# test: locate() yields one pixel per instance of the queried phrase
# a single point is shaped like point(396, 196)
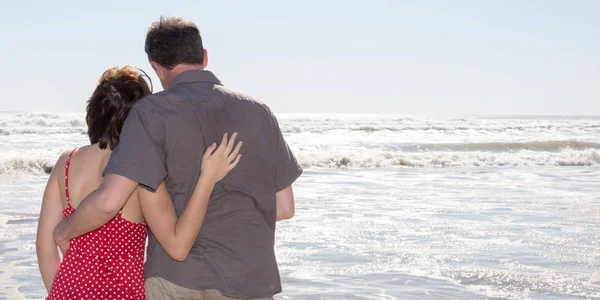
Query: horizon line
point(367, 114)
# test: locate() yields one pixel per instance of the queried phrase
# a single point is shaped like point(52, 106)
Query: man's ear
point(205, 61)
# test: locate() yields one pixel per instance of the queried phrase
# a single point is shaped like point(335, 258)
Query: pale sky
point(399, 57)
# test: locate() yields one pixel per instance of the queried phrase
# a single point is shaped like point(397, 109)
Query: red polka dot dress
point(106, 263)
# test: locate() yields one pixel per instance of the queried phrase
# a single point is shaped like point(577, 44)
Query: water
point(389, 207)
point(445, 234)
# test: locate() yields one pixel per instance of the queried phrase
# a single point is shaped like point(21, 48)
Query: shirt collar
point(196, 76)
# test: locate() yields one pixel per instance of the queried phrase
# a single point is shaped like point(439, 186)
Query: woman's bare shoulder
point(61, 161)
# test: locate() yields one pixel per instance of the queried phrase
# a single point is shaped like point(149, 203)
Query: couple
point(155, 164)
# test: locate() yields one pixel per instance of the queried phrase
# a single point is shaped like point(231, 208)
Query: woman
point(108, 263)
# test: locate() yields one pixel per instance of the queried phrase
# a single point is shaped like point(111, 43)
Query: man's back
point(234, 251)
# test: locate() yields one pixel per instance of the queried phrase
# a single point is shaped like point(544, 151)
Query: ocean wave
point(522, 158)
point(352, 141)
point(436, 128)
point(33, 123)
point(376, 159)
point(56, 123)
point(26, 166)
point(43, 130)
point(551, 146)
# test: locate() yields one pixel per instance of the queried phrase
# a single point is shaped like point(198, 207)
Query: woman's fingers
point(209, 151)
point(235, 152)
point(223, 145)
point(230, 144)
point(235, 162)
point(226, 148)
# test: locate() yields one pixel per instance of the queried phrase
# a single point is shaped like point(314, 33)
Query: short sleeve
point(287, 169)
point(140, 155)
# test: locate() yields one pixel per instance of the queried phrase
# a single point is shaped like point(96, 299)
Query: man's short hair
point(171, 41)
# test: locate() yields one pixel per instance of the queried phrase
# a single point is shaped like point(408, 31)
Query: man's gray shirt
point(164, 138)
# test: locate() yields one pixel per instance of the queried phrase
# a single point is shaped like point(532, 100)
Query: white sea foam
point(31, 141)
point(522, 158)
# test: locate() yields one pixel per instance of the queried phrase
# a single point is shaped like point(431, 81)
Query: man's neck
point(178, 69)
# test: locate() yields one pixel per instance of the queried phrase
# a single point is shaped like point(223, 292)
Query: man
point(163, 138)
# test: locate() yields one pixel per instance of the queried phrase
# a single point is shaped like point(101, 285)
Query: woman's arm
point(177, 236)
point(50, 215)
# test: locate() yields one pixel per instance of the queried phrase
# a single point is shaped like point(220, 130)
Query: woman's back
point(106, 263)
point(87, 165)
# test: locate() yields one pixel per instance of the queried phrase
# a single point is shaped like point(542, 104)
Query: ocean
point(389, 206)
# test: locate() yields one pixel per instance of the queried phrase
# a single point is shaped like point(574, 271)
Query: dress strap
point(67, 178)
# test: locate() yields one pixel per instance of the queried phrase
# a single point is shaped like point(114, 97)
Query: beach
point(389, 206)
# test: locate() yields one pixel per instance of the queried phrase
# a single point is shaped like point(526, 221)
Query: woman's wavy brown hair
point(119, 88)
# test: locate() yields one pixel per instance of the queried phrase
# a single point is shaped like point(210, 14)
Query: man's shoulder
point(242, 100)
point(152, 101)
point(153, 105)
point(160, 103)
point(234, 94)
